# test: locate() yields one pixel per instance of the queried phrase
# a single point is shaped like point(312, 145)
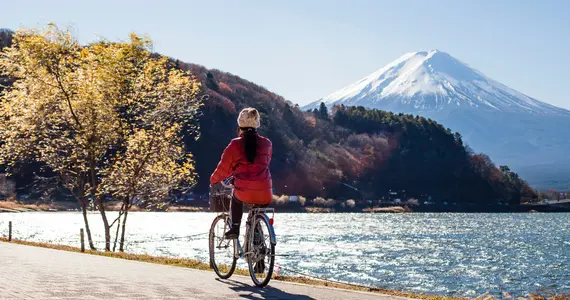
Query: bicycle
point(259, 243)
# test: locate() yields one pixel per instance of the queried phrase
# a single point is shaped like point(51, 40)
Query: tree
point(288, 115)
point(7, 187)
point(516, 187)
point(315, 112)
point(211, 82)
point(458, 138)
point(323, 111)
point(105, 118)
point(5, 37)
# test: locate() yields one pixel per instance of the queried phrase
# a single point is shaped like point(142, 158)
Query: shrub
point(302, 200)
point(283, 200)
point(319, 201)
point(413, 202)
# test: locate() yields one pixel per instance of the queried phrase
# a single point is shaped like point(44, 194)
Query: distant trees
point(555, 195)
point(430, 158)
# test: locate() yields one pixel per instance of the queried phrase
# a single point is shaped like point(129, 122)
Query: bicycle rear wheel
point(261, 251)
point(222, 251)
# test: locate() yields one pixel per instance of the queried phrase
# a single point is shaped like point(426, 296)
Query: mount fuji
point(509, 126)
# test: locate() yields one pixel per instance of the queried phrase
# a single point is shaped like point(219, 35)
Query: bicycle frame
point(239, 251)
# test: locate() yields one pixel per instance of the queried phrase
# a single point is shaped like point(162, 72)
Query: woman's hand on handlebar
point(228, 182)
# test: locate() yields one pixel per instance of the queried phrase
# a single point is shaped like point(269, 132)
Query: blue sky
point(304, 50)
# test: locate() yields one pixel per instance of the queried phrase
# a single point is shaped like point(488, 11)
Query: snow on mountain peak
point(434, 81)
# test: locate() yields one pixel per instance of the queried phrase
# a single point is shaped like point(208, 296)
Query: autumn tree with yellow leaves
point(105, 117)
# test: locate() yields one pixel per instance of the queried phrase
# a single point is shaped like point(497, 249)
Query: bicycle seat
point(255, 206)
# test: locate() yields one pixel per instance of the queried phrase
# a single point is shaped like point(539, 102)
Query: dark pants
point(236, 210)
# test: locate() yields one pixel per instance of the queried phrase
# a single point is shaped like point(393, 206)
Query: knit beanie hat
point(249, 117)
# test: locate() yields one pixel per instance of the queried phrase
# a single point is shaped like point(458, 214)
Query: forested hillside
point(328, 154)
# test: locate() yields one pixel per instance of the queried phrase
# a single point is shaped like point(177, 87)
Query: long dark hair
point(249, 142)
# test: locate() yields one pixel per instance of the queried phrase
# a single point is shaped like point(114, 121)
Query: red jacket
point(252, 181)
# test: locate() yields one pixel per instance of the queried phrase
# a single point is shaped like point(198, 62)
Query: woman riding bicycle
point(247, 159)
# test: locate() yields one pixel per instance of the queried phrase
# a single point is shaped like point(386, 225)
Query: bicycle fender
point(271, 230)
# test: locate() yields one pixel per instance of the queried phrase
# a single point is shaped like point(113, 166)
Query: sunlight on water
point(448, 254)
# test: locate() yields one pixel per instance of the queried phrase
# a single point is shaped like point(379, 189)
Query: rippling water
point(446, 254)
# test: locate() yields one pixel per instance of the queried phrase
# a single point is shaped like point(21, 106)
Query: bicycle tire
point(271, 254)
point(211, 241)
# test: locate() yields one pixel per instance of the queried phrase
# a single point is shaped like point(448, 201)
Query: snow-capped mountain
point(434, 81)
point(511, 127)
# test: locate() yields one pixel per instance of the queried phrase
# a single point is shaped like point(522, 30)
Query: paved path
point(38, 273)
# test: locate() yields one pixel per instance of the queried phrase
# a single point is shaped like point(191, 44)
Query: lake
point(455, 254)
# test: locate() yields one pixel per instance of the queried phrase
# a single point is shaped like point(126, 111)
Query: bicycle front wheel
point(222, 251)
point(261, 256)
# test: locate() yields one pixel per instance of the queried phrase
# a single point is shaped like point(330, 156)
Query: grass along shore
point(15, 207)
point(12, 206)
point(195, 264)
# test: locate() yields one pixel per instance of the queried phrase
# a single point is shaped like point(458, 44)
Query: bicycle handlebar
point(228, 182)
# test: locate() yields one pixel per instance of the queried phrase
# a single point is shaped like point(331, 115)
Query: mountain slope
point(511, 127)
point(434, 81)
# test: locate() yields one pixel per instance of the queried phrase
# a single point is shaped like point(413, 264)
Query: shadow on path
point(256, 293)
